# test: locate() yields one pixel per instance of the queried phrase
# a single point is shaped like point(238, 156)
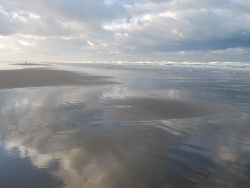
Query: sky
point(131, 30)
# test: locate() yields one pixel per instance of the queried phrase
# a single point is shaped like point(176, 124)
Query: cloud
point(126, 29)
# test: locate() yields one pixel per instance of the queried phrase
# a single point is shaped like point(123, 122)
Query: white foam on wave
point(213, 65)
point(161, 62)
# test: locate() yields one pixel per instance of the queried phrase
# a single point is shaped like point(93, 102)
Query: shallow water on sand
point(157, 126)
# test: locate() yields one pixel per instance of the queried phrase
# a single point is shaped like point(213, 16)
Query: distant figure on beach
point(25, 62)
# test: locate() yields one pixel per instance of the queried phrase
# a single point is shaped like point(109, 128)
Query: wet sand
point(144, 108)
point(35, 77)
point(31, 64)
point(144, 131)
point(128, 109)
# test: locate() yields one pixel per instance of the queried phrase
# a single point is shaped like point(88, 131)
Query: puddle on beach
point(111, 136)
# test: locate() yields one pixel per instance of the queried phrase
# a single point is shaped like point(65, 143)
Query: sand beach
point(92, 125)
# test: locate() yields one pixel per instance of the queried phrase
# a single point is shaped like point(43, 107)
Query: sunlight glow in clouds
point(81, 30)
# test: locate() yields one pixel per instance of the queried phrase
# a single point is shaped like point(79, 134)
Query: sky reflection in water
point(52, 137)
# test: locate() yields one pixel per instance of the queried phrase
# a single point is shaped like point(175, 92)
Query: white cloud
point(25, 43)
point(238, 51)
point(91, 44)
point(2, 46)
point(133, 29)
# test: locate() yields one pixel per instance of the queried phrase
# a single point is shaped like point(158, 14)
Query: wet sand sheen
point(103, 137)
point(128, 109)
point(143, 109)
point(46, 77)
point(31, 64)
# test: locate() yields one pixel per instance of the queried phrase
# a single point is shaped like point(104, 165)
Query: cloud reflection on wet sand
point(85, 137)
